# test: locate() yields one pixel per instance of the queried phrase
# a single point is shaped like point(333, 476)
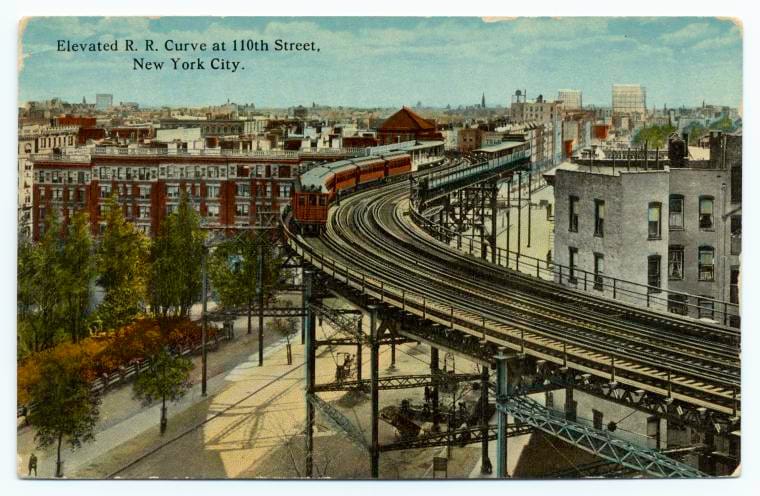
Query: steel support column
point(359, 351)
point(310, 339)
point(485, 462)
point(374, 451)
point(502, 392)
point(494, 218)
point(519, 213)
point(434, 389)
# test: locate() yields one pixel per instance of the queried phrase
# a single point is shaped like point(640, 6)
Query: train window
point(312, 200)
point(302, 200)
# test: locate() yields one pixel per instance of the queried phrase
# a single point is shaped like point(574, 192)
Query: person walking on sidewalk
point(33, 464)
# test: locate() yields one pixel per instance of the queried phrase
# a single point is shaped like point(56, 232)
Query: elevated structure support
point(502, 393)
point(374, 459)
point(310, 338)
point(485, 462)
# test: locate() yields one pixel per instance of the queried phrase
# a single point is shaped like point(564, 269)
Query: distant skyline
point(389, 62)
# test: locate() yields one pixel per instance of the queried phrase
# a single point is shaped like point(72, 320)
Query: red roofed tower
point(405, 125)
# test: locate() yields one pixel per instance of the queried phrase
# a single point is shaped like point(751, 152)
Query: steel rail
point(551, 347)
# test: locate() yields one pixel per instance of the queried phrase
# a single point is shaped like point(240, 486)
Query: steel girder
point(467, 435)
point(396, 382)
point(598, 442)
point(550, 376)
point(339, 421)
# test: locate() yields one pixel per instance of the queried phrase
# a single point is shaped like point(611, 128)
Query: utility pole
point(260, 294)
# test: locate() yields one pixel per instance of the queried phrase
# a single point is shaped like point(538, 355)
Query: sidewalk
point(123, 417)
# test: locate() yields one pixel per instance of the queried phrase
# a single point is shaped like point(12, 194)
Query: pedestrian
point(33, 464)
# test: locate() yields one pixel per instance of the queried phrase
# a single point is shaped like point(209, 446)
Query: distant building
point(629, 99)
point(406, 125)
point(571, 99)
point(538, 111)
point(469, 139)
point(103, 101)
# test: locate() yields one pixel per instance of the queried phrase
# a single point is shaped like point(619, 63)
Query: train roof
point(506, 145)
point(315, 178)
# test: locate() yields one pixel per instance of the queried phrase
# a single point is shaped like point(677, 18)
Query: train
point(320, 186)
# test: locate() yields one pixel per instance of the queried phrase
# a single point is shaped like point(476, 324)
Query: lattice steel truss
point(598, 442)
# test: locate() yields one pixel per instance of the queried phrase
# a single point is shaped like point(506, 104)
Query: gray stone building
point(668, 238)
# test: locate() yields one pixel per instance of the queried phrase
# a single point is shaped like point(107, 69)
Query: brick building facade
point(229, 192)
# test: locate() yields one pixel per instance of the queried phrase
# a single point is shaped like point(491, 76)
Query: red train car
point(318, 187)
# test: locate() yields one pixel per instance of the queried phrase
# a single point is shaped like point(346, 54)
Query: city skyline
point(382, 62)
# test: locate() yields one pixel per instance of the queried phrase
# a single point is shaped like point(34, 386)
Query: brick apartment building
point(229, 190)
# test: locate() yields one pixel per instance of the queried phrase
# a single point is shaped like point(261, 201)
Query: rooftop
point(506, 145)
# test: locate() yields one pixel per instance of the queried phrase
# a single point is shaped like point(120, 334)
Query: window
point(598, 419)
point(706, 263)
point(734, 288)
point(677, 304)
point(706, 307)
point(212, 211)
point(241, 209)
point(598, 217)
point(172, 191)
point(655, 213)
point(572, 261)
point(675, 262)
point(653, 273)
point(244, 190)
point(736, 184)
point(598, 271)
point(573, 214)
point(144, 192)
point(736, 235)
point(212, 191)
point(676, 212)
point(105, 191)
point(144, 211)
point(706, 212)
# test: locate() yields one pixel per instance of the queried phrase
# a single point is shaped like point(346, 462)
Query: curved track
point(371, 234)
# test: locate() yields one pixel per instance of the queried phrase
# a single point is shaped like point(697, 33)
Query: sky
point(390, 61)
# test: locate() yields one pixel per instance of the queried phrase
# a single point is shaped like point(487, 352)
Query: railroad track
point(370, 233)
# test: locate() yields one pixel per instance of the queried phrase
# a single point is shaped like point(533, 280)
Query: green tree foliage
point(39, 289)
point(696, 131)
point(723, 124)
point(167, 379)
point(77, 272)
point(175, 257)
point(64, 405)
point(122, 269)
point(654, 136)
point(234, 271)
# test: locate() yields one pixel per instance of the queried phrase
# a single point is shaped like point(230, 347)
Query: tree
point(64, 404)
point(286, 327)
point(655, 137)
point(175, 257)
point(77, 271)
point(121, 264)
point(234, 271)
point(167, 378)
point(39, 288)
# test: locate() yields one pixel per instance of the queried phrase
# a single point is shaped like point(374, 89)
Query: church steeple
point(483, 101)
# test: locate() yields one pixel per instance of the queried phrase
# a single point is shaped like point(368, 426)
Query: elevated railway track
point(370, 245)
